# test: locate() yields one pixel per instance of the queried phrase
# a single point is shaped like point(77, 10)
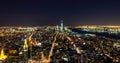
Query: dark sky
point(50, 12)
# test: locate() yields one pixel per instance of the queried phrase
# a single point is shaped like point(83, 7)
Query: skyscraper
point(61, 28)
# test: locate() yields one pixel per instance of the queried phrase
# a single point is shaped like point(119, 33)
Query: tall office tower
point(57, 27)
point(61, 28)
point(2, 55)
point(25, 46)
point(25, 51)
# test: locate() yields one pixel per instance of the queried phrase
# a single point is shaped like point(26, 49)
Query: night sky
point(50, 12)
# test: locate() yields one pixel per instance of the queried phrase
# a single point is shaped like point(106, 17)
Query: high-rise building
point(25, 46)
point(57, 27)
point(2, 55)
point(61, 28)
point(25, 51)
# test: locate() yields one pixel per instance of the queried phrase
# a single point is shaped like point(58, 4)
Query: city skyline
point(73, 12)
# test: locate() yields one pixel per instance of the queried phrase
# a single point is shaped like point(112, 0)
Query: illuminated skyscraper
point(25, 46)
point(2, 55)
point(25, 51)
point(57, 28)
point(61, 28)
